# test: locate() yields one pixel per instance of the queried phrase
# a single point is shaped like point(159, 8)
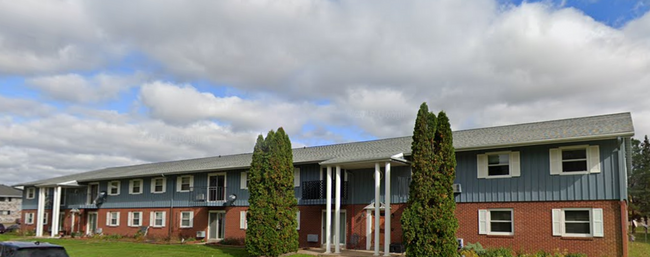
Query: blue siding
point(535, 182)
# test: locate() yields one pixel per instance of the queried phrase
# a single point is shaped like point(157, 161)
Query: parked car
point(29, 249)
point(12, 228)
point(2, 229)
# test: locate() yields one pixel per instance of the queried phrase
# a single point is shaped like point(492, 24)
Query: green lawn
point(639, 248)
point(106, 248)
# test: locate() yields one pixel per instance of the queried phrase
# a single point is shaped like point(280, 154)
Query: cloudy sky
point(92, 84)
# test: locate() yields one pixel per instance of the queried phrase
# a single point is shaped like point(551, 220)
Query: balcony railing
point(209, 194)
point(313, 190)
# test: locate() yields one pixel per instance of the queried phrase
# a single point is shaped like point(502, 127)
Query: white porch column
point(387, 212)
point(56, 209)
point(377, 205)
point(368, 229)
point(337, 212)
point(72, 222)
point(328, 210)
point(40, 211)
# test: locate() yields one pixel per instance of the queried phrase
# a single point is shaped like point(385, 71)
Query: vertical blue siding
point(536, 183)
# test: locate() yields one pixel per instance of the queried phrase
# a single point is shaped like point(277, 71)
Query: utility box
point(312, 238)
point(200, 234)
point(396, 248)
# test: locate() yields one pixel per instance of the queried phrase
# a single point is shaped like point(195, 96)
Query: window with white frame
point(135, 186)
point(114, 188)
point(29, 218)
point(158, 185)
point(243, 180)
point(112, 218)
point(45, 218)
point(296, 177)
point(157, 219)
point(187, 219)
point(578, 222)
point(573, 160)
point(135, 219)
point(243, 223)
point(496, 222)
point(185, 183)
point(31, 193)
point(498, 165)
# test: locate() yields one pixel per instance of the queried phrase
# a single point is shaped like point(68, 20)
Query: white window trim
point(92, 201)
point(243, 180)
point(179, 183)
point(29, 218)
point(153, 185)
point(596, 226)
point(152, 219)
point(191, 219)
point(110, 187)
point(131, 219)
point(109, 219)
point(131, 187)
point(31, 190)
point(514, 165)
point(243, 222)
point(593, 160)
point(296, 177)
point(485, 219)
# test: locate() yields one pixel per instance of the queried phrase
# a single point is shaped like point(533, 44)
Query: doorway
point(216, 225)
point(92, 223)
point(343, 227)
point(217, 187)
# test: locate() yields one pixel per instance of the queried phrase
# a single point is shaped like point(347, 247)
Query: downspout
point(623, 159)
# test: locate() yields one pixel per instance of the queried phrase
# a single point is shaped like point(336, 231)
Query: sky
point(86, 85)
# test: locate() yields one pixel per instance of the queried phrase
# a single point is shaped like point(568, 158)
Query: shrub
point(497, 252)
point(476, 248)
point(233, 241)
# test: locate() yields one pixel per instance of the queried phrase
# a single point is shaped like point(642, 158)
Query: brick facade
point(532, 225)
point(13, 205)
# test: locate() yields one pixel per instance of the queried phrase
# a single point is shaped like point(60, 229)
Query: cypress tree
point(428, 222)
point(272, 214)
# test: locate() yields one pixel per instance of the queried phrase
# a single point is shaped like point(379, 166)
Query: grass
point(639, 248)
point(106, 248)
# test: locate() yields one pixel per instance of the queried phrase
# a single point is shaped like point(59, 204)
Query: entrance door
point(217, 187)
point(216, 225)
point(343, 238)
point(92, 223)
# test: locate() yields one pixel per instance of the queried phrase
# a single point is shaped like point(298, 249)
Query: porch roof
point(547, 132)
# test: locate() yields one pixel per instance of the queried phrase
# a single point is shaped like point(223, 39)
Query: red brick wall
point(533, 228)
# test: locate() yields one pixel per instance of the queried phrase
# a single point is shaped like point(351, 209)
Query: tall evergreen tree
point(272, 214)
point(639, 179)
point(428, 222)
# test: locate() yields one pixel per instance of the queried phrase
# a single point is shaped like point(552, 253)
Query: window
point(575, 160)
point(498, 165)
point(243, 223)
point(185, 183)
point(296, 177)
point(298, 220)
point(243, 180)
point(187, 219)
point(31, 193)
point(578, 222)
point(496, 222)
point(157, 219)
point(93, 192)
point(114, 188)
point(63, 196)
point(135, 186)
point(45, 217)
point(113, 219)
point(29, 218)
point(135, 219)
point(158, 185)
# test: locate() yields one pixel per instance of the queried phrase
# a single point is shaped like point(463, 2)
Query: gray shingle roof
point(7, 191)
point(576, 129)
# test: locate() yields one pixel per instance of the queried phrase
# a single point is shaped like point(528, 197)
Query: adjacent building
point(547, 185)
point(11, 200)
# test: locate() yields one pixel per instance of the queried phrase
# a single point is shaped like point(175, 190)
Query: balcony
point(208, 195)
point(314, 192)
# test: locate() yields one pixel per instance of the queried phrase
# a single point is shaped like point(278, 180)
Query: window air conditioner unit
point(457, 188)
point(200, 234)
point(200, 197)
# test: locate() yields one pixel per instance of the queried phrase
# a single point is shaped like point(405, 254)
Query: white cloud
point(78, 89)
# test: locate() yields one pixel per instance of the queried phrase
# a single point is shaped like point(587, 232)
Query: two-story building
point(10, 204)
point(548, 185)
